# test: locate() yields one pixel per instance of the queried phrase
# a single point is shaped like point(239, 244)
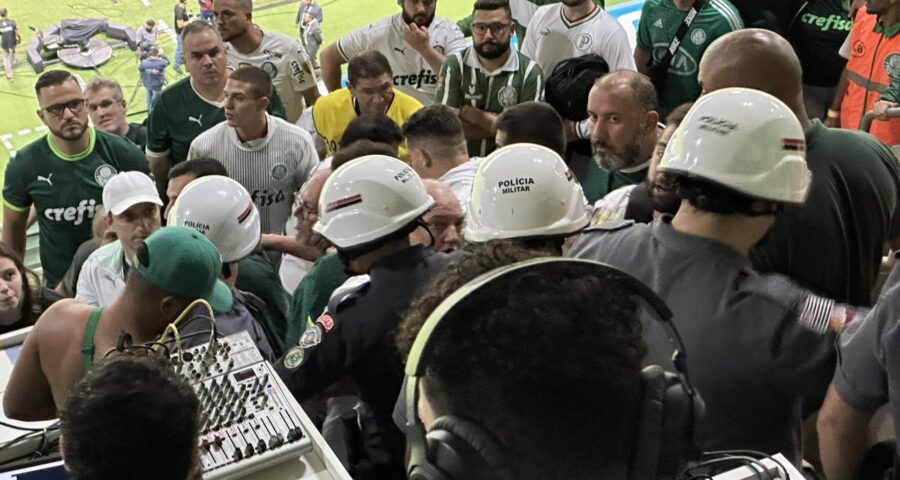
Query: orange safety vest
point(874, 59)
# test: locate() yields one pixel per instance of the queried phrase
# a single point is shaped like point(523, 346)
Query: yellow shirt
point(333, 112)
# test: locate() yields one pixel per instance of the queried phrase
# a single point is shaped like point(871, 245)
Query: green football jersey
point(463, 81)
point(66, 191)
point(660, 20)
point(179, 114)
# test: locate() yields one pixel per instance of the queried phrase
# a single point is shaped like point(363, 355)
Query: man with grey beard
point(623, 112)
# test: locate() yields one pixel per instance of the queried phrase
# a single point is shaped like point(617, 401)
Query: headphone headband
point(425, 341)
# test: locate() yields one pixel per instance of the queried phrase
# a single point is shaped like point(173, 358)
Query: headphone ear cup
point(681, 435)
point(649, 435)
point(463, 450)
point(668, 433)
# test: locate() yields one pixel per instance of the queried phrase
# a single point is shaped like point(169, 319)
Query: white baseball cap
point(127, 189)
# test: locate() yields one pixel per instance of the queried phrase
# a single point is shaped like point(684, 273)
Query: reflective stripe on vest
point(873, 57)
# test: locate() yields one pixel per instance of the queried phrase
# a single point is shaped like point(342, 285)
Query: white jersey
point(412, 74)
point(460, 179)
point(552, 38)
point(272, 169)
point(286, 61)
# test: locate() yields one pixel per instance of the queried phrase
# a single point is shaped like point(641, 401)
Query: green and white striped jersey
point(464, 81)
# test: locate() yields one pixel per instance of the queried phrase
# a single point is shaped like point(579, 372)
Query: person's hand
point(417, 37)
point(881, 107)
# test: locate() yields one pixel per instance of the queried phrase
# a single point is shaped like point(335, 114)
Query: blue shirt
point(152, 72)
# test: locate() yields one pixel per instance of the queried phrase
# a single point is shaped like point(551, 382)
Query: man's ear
point(426, 158)
point(652, 121)
point(171, 306)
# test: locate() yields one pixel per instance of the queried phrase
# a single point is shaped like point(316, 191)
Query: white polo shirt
point(412, 74)
point(102, 278)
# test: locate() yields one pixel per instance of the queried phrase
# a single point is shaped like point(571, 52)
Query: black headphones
point(455, 449)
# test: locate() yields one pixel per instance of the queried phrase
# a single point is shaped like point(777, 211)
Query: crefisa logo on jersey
point(77, 215)
point(426, 77)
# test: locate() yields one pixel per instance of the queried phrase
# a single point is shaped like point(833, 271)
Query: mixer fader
point(248, 422)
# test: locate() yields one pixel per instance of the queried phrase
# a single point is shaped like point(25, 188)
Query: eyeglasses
point(59, 109)
point(497, 28)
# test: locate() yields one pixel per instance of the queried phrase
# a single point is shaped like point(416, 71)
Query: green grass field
point(19, 124)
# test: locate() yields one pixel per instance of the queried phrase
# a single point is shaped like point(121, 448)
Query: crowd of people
point(489, 284)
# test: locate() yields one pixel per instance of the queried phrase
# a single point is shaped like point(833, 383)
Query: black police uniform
point(355, 337)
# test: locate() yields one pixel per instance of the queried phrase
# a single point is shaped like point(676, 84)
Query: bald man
point(444, 220)
point(833, 243)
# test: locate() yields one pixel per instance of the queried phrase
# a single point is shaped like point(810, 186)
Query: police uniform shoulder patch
point(610, 226)
point(294, 357)
point(313, 334)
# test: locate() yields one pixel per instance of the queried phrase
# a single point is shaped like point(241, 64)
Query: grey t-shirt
point(867, 374)
point(754, 343)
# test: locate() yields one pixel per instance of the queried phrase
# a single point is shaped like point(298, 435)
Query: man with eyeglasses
point(107, 109)
point(486, 78)
point(414, 41)
point(62, 175)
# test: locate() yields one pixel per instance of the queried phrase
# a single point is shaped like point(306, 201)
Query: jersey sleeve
point(533, 86)
point(15, 186)
point(529, 45)
point(644, 42)
point(353, 43)
point(617, 51)
point(449, 91)
point(322, 355)
point(130, 157)
point(302, 76)
point(159, 141)
point(866, 348)
point(456, 41)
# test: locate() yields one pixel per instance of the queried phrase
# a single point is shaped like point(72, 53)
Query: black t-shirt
point(137, 133)
point(769, 14)
point(817, 32)
point(8, 33)
point(180, 14)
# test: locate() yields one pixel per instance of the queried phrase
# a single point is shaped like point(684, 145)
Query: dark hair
point(31, 285)
point(674, 118)
point(131, 414)
point(151, 22)
point(257, 78)
point(374, 127)
point(549, 362)
point(712, 197)
point(3, 12)
point(199, 167)
point(481, 258)
point(641, 87)
point(196, 27)
point(361, 148)
point(436, 124)
point(367, 64)
point(533, 122)
point(493, 5)
point(51, 78)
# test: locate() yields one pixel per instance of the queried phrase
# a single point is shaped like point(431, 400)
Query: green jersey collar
point(77, 156)
point(511, 65)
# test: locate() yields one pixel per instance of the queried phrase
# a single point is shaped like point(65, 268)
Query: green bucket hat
point(183, 262)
